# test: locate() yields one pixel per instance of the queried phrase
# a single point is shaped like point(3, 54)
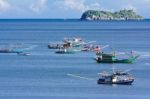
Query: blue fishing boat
point(117, 77)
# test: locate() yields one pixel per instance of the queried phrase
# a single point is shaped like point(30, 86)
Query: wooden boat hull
point(129, 60)
point(5, 51)
point(128, 82)
point(63, 52)
point(115, 61)
point(54, 46)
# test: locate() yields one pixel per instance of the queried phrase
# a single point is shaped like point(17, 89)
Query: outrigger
point(111, 58)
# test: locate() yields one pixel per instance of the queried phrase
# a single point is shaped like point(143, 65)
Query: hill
point(107, 15)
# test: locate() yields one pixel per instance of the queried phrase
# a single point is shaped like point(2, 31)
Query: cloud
point(38, 6)
point(72, 5)
point(77, 5)
point(146, 0)
point(4, 5)
point(95, 6)
point(67, 8)
point(129, 7)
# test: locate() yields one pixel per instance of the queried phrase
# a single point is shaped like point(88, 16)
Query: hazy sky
point(67, 8)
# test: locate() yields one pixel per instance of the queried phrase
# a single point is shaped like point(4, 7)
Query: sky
point(67, 8)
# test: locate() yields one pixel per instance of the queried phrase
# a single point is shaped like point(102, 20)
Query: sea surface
point(46, 75)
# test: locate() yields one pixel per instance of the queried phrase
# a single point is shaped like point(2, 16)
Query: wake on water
point(143, 54)
point(80, 77)
point(148, 64)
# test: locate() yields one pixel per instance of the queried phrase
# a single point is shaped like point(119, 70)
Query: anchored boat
point(54, 46)
point(9, 50)
point(117, 77)
point(19, 49)
point(66, 51)
point(76, 43)
point(111, 58)
point(71, 42)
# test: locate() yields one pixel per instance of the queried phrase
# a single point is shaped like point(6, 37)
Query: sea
point(47, 75)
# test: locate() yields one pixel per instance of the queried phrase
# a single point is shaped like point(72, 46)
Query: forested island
point(107, 15)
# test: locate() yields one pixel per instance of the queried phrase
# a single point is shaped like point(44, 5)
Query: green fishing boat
point(111, 58)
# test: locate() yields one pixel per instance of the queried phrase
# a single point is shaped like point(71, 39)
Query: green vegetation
point(107, 15)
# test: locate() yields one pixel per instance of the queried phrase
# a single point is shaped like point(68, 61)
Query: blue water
point(43, 75)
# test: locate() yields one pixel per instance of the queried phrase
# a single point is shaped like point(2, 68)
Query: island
point(107, 15)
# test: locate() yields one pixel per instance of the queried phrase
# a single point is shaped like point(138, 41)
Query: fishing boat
point(117, 77)
point(54, 46)
point(72, 42)
point(111, 58)
point(9, 50)
point(24, 54)
point(66, 51)
point(19, 49)
point(114, 77)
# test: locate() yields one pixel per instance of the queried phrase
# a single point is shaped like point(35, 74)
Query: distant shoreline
point(63, 20)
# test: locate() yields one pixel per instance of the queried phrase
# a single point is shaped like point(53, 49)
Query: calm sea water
point(43, 75)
